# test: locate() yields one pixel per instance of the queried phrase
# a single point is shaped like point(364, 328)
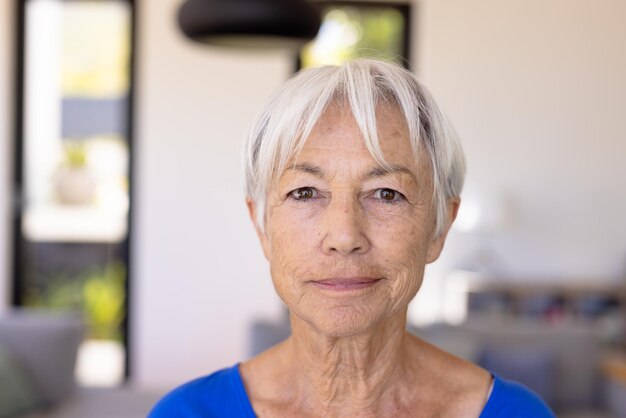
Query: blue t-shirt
point(222, 394)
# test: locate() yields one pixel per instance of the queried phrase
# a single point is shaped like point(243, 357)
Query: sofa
point(38, 352)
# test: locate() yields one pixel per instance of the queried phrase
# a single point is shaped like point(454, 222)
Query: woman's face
point(347, 241)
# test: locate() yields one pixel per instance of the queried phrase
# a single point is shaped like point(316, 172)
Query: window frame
point(18, 177)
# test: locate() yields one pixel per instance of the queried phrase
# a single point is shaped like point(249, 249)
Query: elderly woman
point(353, 181)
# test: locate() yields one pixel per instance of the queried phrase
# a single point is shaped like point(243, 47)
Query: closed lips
point(346, 283)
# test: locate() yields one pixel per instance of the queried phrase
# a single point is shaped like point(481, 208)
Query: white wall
point(200, 276)
point(537, 91)
point(6, 70)
point(534, 87)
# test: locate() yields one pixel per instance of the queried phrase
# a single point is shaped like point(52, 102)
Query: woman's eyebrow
point(375, 172)
point(308, 168)
point(390, 169)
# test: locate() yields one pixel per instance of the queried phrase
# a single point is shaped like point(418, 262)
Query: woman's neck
point(350, 373)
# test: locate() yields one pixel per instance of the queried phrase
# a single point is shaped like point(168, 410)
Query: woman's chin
point(343, 321)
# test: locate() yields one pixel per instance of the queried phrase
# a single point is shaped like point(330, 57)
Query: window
point(73, 154)
point(359, 29)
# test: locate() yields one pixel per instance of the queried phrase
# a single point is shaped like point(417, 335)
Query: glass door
point(73, 151)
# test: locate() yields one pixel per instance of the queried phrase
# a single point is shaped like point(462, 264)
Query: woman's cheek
point(292, 240)
point(379, 210)
point(396, 219)
point(403, 239)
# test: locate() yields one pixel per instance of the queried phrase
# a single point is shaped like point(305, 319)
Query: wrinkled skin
point(347, 229)
point(334, 214)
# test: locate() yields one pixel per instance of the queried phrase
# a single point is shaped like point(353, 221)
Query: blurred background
point(127, 253)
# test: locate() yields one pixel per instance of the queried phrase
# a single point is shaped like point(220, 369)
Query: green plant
point(104, 302)
point(75, 154)
point(59, 294)
point(99, 294)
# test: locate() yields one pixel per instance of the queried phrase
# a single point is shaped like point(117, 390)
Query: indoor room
point(129, 264)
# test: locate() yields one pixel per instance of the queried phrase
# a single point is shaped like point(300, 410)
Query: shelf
point(573, 288)
point(80, 224)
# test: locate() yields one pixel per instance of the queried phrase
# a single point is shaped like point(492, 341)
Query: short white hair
point(290, 114)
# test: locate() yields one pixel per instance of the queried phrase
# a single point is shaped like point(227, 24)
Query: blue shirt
point(222, 394)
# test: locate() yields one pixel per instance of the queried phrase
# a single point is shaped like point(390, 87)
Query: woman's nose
point(344, 227)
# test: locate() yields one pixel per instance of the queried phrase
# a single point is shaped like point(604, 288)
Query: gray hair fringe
point(293, 110)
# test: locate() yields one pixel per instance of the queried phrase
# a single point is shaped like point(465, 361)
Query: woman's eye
point(303, 193)
point(388, 195)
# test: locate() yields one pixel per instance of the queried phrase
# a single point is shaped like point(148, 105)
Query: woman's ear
point(436, 245)
point(252, 212)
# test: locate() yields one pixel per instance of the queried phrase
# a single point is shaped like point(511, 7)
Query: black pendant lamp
point(250, 23)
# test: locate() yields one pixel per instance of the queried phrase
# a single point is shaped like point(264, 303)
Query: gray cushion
point(45, 345)
point(532, 366)
point(576, 382)
point(17, 393)
point(265, 334)
point(615, 392)
point(456, 341)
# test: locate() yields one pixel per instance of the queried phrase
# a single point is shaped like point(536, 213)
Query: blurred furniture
point(124, 402)
point(554, 301)
point(614, 371)
point(558, 305)
point(266, 333)
point(44, 346)
point(559, 363)
point(39, 350)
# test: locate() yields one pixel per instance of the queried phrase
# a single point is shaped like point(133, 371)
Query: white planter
point(75, 186)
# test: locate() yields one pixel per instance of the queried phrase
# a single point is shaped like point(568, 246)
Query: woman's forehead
point(337, 136)
point(389, 116)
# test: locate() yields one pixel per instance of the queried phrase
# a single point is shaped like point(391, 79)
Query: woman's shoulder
point(216, 395)
point(510, 399)
point(505, 399)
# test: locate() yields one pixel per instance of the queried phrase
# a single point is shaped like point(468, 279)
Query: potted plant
point(75, 184)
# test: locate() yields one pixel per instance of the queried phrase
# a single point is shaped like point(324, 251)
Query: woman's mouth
point(345, 284)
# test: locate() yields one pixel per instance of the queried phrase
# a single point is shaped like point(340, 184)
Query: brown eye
point(388, 194)
point(303, 193)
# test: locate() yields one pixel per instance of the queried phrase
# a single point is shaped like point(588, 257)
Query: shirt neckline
point(248, 410)
point(246, 405)
point(493, 391)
